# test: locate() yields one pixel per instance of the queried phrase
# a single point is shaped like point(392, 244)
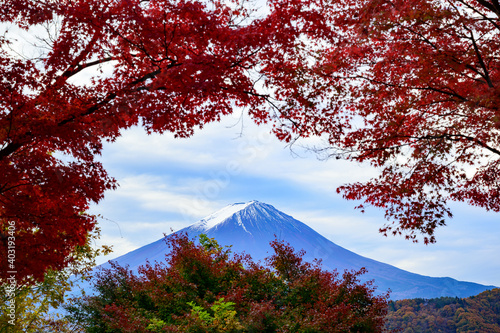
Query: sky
point(167, 184)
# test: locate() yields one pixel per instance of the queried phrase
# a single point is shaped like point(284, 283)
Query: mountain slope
point(249, 227)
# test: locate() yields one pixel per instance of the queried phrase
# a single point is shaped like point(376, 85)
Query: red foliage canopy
point(429, 96)
point(416, 93)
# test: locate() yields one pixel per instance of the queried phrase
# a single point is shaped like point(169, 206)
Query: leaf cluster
point(203, 288)
point(420, 102)
point(33, 307)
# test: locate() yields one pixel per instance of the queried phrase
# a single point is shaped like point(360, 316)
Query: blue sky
point(167, 184)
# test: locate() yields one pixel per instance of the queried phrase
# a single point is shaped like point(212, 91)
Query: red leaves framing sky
point(407, 86)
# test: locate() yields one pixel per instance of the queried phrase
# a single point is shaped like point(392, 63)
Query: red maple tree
point(415, 93)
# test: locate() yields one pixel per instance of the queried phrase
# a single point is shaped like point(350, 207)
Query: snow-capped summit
point(250, 227)
point(221, 215)
point(254, 217)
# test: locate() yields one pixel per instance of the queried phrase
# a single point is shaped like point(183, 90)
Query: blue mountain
point(249, 227)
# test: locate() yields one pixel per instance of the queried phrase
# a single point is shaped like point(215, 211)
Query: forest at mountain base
point(479, 313)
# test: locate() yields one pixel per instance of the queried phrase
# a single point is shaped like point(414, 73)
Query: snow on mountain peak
point(221, 215)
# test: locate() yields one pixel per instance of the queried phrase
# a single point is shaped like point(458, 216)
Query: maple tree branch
point(13, 147)
point(70, 72)
point(450, 91)
point(483, 74)
point(76, 61)
point(4, 188)
point(16, 145)
point(237, 63)
point(264, 96)
point(423, 38)
point(451, 137)
point(109, 98)
point(129, 41)
point(480, 59)
point(458, 137)
point(494, 6)
point(485, 17)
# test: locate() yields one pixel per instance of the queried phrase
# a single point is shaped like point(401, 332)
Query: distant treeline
point(479, 313)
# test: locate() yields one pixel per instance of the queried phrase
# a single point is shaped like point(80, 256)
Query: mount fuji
point(249, 227)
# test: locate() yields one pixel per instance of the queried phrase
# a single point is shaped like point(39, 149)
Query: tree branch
point(457, 137)
point(109, 98)
point(70, 72)
point(480, 59)
point(494, 6)
point(10, 148)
